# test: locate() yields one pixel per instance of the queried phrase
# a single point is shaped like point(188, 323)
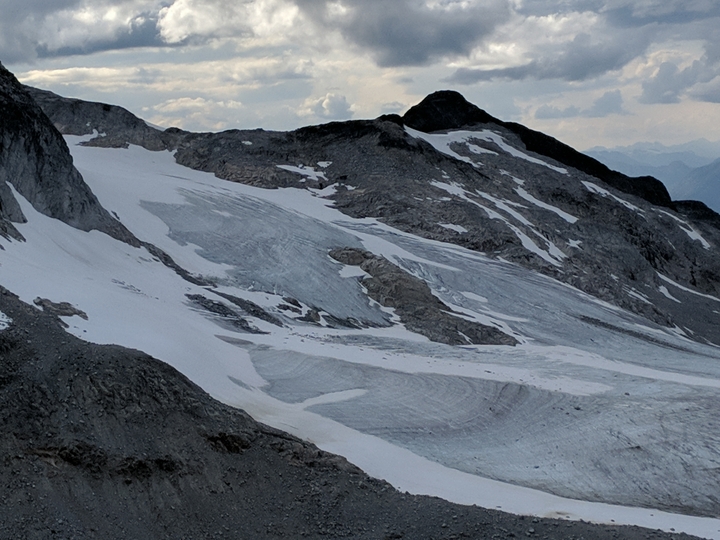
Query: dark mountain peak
point(445, 109)
point(448, 109)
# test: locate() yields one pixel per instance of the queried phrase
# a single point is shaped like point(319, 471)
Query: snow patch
point(457, 228)
point(525, 195)
point(308, 172)
point(594, 188)
point(688, 229)
point(553, 253)
point(682, 288)
point(5, 321)
point(664, 291)
point(442, 141)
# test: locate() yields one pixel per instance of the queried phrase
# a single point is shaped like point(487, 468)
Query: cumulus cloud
point(409, 32)
point(610, 102)
point(392, 107)
point(329, 107)
point(707, 91)
point(550, 112)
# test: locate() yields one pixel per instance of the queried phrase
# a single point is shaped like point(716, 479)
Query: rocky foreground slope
point(107, 443)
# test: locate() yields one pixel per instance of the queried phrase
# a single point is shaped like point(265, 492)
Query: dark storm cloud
point(410, 32)
point(583, 58)
point(40, 28)
point(18, 20)
point(671, 83)
point(661, 13)
point(141, 32)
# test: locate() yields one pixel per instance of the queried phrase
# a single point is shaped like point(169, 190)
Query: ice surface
point(532, 428)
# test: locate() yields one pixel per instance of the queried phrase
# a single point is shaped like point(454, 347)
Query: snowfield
point(597, 414)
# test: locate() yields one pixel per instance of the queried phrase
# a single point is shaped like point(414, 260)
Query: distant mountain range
point(689, 171)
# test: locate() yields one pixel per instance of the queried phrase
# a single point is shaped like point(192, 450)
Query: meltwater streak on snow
point(126, 317)
point(442, 141)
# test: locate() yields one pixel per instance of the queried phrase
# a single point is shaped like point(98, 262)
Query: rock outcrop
point(414, 303)
point(115, 126)
point(35, 160)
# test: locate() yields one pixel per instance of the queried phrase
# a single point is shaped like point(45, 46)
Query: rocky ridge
point(419, 310)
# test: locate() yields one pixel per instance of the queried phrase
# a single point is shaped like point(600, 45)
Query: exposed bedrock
point(448, 109)
point(414, 303)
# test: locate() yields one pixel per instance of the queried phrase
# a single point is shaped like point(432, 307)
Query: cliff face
point(35, 160)
point(118, 125)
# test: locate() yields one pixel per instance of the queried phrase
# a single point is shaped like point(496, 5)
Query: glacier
point(597, 413)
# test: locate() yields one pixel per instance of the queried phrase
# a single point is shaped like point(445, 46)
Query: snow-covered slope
point(594, 404)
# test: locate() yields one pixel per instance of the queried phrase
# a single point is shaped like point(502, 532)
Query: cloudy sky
point(590, 72)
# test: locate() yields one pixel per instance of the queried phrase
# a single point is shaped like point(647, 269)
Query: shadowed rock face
point(35, 160)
